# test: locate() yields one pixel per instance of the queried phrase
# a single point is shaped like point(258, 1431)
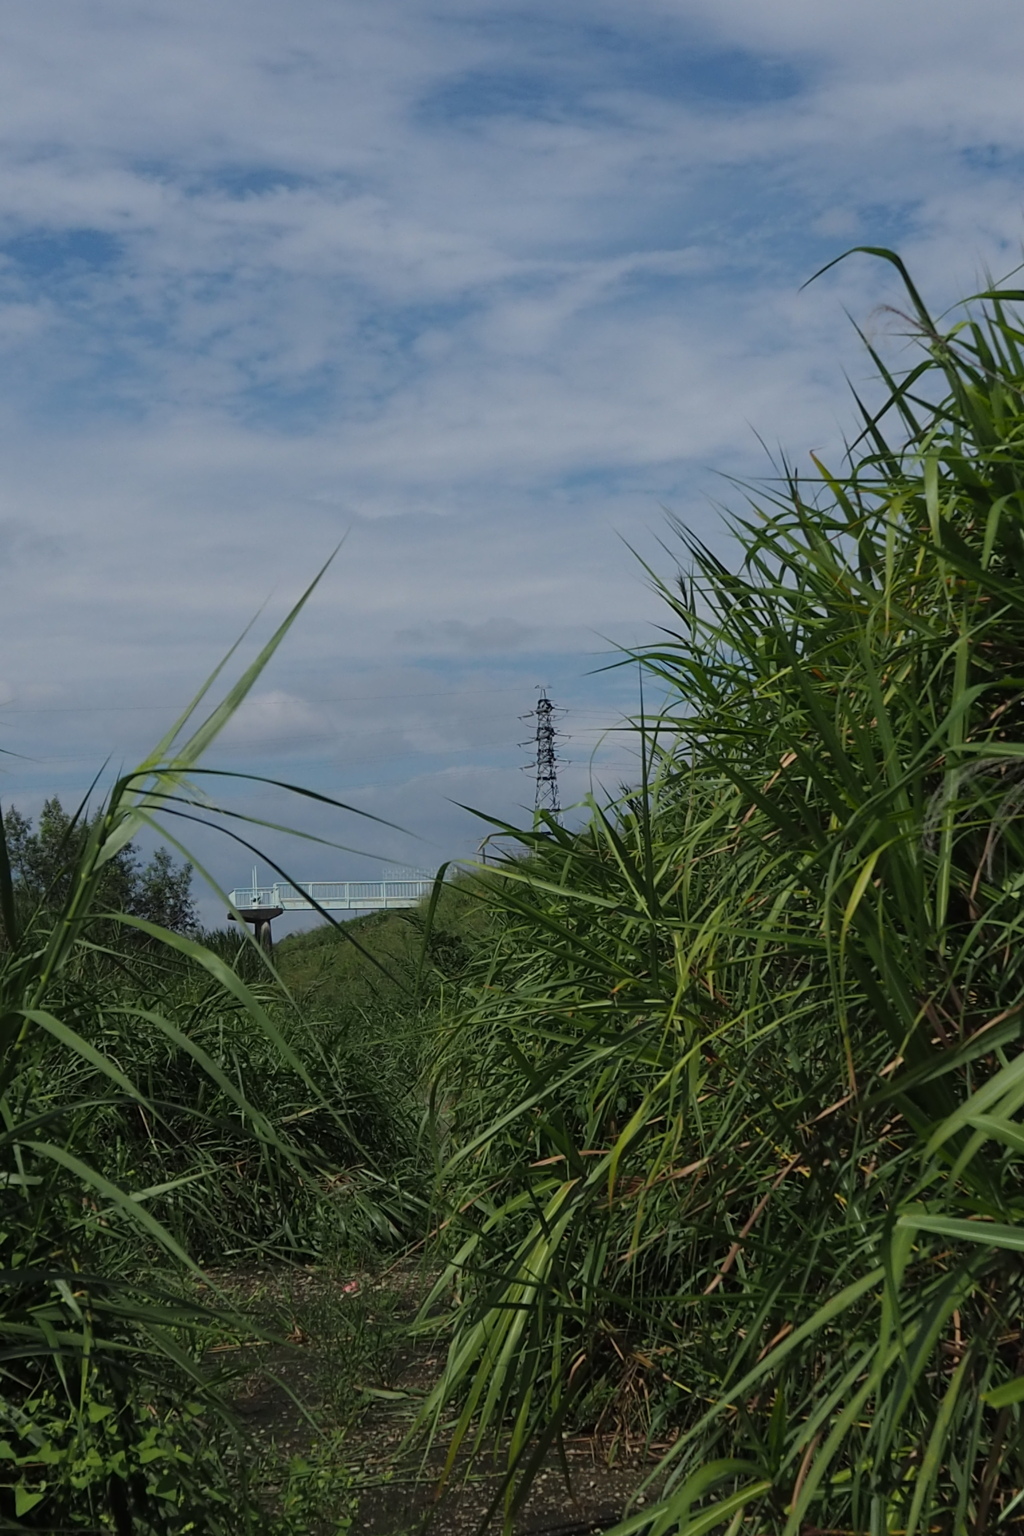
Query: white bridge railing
point(333, 895)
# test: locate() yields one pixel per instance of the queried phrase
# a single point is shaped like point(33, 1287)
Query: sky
point(478, 291)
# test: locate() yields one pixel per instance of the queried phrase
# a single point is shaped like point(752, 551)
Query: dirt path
point(403, 1489)
point(349, 1360)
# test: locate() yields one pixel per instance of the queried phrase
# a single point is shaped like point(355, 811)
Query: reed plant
point(158, 1107)
point(729, 1114)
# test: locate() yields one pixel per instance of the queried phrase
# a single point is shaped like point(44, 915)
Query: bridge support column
point(261, 919)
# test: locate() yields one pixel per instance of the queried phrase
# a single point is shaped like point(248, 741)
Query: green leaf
point(1009, 1393)
point(991, 1233)
point(27, 1496)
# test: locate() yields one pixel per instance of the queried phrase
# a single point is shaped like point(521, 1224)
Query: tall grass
point(733, 1102)
point(156, 1109)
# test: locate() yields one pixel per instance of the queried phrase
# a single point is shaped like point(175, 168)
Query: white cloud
point(275, 718)
point(493, 634)
point(486, 289)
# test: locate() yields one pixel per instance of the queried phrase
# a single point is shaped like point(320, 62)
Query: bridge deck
point(333, 895)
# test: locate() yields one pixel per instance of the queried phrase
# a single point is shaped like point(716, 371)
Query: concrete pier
point(261, 919)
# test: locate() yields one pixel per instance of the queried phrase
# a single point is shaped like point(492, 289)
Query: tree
point(163, 894)
point(43, 858)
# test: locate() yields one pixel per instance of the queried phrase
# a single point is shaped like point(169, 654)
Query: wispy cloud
point(484, 288)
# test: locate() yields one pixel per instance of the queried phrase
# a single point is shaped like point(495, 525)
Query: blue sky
point(480, 288)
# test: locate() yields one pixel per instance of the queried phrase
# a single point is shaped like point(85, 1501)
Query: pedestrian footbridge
point(334, 895)
point(260, 904)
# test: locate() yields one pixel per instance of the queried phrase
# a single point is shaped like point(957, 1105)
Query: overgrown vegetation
point(733, 1099)
point(158, 1110)
point(721, 1139)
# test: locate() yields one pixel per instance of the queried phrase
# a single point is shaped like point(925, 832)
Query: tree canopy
point(45, 854)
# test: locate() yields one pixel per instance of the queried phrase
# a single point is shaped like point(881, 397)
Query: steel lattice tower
point(545, 742)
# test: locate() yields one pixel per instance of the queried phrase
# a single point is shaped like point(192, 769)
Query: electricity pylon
point(547, 761)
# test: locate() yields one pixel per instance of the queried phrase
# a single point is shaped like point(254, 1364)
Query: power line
point(337, 698)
